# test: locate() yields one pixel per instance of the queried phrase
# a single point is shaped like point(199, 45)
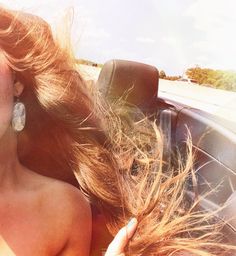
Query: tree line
point(208, 77)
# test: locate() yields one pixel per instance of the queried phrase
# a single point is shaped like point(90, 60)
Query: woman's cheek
point(6, 97)
point(6, 107)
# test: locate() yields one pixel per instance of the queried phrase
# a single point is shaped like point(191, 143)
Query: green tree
point(215, 78)
point(162, 74)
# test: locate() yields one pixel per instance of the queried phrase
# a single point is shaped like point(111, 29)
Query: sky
point(172, 35)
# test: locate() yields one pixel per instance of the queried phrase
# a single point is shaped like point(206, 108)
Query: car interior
point(214, 143)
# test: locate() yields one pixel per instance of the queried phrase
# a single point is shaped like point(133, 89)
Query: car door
point(214, 144)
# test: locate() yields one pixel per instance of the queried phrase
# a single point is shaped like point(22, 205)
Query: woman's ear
point(18, 89)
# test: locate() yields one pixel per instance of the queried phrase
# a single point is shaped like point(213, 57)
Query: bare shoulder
point(74, 216)
point(78, 213)
point(58, 194)
point(68, 212)
point(65, 196)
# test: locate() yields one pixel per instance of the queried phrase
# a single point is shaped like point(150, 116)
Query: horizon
point(169, 35)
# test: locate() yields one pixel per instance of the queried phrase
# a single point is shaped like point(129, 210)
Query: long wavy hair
point(117, 159)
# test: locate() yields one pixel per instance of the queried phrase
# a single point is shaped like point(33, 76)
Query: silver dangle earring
point(18, 117)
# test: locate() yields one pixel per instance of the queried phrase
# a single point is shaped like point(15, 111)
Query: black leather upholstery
point(136, 82)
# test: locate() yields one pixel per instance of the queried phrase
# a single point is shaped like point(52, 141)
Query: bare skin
point(120, 241)
point(44, 217)
point(38, 215)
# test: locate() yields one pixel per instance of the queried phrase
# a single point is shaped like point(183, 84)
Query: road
point(215, 101)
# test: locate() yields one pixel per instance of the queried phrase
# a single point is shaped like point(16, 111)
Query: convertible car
point(214, 139)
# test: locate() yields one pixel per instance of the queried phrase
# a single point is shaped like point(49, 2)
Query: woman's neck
point(9, 163)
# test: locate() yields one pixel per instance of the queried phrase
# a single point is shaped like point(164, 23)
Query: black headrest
point(137, 82)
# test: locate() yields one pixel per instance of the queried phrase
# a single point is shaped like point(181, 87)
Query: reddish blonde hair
point(118, 161)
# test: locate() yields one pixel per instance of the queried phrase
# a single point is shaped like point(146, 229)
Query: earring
point(18, 117)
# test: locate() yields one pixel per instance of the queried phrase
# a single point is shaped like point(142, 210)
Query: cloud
point(169, 34)
point(98, 33)
point(216, 20)
point(170, 40)
point(212, 14)
point(145, 40)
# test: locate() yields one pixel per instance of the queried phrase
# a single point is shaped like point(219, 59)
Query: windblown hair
point(117, 160)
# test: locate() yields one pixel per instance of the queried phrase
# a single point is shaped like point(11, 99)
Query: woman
point(39, 215)
point(70, 129)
